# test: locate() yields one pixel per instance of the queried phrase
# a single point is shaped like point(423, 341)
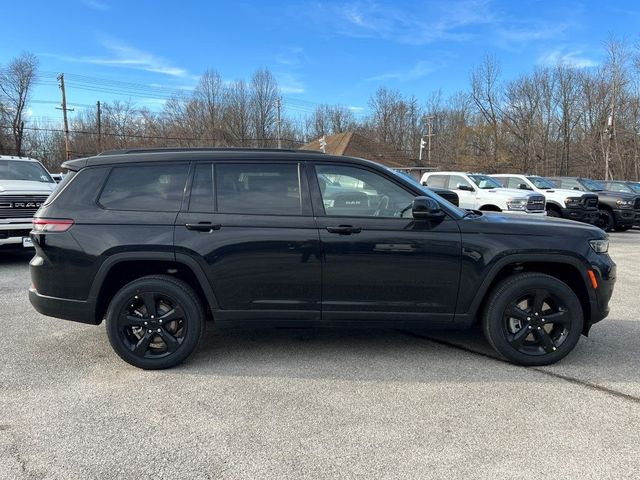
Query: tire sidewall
point(507, 291)
point(176, 290)
point(608, 221)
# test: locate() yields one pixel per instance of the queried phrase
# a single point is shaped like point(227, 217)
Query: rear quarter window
point(158, 188)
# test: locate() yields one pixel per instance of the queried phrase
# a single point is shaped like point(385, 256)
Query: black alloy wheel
point(606, 220)
point(154, 322)
point(533, 319)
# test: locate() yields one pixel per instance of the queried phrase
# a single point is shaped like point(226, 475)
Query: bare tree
point(237, 112)
point(485, 93)
point(264, 98)
point(16, 82)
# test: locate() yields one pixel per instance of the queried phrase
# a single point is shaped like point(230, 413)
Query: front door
point(378, 263)
point(250, 227)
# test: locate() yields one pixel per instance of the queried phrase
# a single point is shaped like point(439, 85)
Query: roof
point(13, 157)
point(353, 144)
point(200, 154)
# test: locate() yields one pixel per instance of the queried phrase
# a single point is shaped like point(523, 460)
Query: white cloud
point(419, 70)
point(569, 57)
point(121, 55)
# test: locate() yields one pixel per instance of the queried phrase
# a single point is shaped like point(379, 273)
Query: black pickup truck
point(618, 210)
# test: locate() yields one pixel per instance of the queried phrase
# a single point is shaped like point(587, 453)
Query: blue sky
point(319, 51)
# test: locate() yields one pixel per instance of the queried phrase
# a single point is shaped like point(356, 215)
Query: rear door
point(250, 227)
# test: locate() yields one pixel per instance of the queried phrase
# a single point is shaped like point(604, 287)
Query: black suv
point(156, 242)
point(618, 210)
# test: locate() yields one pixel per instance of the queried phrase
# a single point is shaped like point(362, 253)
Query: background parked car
point(571, 204)
point(618, 210)
point(481, 192)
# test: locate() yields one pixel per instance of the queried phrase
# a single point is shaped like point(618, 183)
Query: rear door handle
point(344, 229)
point(203, 226)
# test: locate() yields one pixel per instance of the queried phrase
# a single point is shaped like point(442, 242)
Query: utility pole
point(607, 153)
point(430, 134)
point(279, 122)
point(99, 125)
point(67, 145)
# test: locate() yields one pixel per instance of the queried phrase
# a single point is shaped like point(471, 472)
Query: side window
point(571, 184)
point(455, 181)
point(357, 192)
point(158, 188)
point(202, 189)
point(515, 182)
point(438, 181)
point(504, 181)
point(260, 188)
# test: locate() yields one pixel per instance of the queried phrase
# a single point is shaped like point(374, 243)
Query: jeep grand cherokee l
point(155, 242)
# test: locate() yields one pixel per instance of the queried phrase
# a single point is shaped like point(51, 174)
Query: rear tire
point(532, 319)
point(553, 212)
point(155, 322)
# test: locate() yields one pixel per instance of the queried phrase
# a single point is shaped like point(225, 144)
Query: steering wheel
point(383, 205)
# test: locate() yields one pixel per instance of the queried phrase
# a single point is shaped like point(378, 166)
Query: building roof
point(353, 144)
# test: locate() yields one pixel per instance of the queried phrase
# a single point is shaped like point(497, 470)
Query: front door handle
point(344, 229)
point(203, 226)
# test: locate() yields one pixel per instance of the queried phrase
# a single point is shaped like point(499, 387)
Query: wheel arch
point(567, 269)
point(120, 269)
point(490, 208)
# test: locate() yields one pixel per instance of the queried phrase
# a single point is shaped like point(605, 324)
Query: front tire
point(533, 319)
point(606, 221)
point(155, 322)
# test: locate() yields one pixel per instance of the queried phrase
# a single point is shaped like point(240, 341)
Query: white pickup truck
point(481, 192)
point(24, 185)
point(564, 203)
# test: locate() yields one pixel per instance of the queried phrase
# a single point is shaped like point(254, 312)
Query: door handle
point(203, 226)
point(344, 229)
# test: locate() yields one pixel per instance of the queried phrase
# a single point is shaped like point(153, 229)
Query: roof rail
point(126, 151)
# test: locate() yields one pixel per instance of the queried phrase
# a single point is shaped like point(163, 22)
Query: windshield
point(592, 185)
point(22, 170)
point(407, 177)
point(541, 183)
point(484, 182)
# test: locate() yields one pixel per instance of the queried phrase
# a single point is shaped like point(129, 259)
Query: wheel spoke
point(143, 344)
point(170, 341)
point(539, 297)
point(562, 317)
point(149, 300)
point(514, 311)
point(545, 340)
point(128, 320)
point(520, 336)
point(175, 313)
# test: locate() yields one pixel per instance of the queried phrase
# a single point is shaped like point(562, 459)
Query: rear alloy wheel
point(606, 220)
point(155, 322)
point(533, 319)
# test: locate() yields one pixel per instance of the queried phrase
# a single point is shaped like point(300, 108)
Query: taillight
point(51, 225)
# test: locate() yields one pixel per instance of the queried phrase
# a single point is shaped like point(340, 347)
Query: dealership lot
point(321, 404)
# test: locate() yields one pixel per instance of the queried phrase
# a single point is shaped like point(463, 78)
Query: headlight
point(572, 202)
point(624, 203)
point(600, 246)
point(517, 204)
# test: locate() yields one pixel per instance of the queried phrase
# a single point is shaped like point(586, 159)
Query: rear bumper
point(75, 310)
point(580, 215)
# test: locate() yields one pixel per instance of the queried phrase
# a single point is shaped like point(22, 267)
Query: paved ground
point(331, 404)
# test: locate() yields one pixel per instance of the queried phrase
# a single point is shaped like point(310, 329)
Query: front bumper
point(605, 271)
point(13, 233)
point(75, 310)
point(580, 215)
point(625, 217)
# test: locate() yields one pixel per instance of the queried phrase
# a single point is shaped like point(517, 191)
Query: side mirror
point(576, 188)
point(523, 186)
point(466, 188)
point(426, 208)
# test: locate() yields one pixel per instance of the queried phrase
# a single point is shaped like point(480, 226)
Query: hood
point(567, 192)
point(509, 192)
point(509, 224)
point(26, 186)
point(621, 195)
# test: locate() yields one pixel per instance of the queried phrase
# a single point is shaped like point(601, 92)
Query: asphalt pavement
point(291, 404)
